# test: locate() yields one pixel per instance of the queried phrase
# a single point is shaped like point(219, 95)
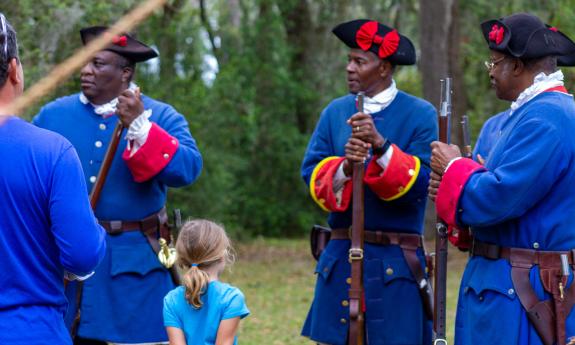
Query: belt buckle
point(115, 227)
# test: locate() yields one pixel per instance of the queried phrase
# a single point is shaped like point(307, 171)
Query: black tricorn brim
point(404, 55)
point(536, 45)
point(134, 50)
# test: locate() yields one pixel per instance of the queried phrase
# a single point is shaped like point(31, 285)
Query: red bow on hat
point(496, 34)
point(367, 35)
point(121, 41)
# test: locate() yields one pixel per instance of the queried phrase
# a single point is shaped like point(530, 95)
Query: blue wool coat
point(122, 302)
point(394, 313)
point(523, 199)
point(46, 228)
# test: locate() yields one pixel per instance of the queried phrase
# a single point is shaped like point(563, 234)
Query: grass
point(277, 279)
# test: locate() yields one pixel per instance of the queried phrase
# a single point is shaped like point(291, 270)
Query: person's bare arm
point(176, 336)
point(227, 331)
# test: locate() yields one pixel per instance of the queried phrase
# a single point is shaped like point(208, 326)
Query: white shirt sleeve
point(138, 131)
point(385, 158)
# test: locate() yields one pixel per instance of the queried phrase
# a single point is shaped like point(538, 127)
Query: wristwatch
point(380, 151)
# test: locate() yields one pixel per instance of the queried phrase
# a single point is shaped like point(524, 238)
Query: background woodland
point(252, 76)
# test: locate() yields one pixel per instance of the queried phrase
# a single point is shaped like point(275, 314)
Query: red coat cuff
point(153, 156)
point(451, 187)
point(397, 178)
point(321, 186)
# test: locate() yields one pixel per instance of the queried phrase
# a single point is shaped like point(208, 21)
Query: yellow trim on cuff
point(312, 182)
point(409, 184)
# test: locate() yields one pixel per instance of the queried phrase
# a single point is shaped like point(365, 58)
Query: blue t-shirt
point(200, 326)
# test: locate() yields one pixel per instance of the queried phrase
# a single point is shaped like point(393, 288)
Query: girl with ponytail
point(204, 311)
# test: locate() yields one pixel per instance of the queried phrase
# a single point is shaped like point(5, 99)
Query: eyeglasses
point(4, 34)
point(490, 65)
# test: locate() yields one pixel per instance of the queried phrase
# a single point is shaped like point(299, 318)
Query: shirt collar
point(380, 101)
point(541, 82)
point(106, 109)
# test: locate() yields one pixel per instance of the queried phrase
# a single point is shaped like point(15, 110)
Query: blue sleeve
point(186, 165)
point(171, 318)
point(528, 168)
point(235, 306)
point(78, 235)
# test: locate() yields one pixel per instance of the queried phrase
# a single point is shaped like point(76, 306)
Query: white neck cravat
point(380, 101)
point(106, 109)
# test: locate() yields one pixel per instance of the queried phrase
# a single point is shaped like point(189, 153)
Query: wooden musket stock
point(106, 164)
point(356, 317)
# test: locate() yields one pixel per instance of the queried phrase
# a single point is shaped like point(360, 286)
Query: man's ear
point(13, 75)
point(127, 74)
point(518, 67)
point(384, 69)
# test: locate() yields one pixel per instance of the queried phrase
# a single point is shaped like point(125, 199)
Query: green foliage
point(278, 66)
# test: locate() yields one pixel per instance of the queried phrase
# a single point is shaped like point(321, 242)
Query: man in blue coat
point(122, 302)
point(517, 286)
point(392, 137)
point(47, 228)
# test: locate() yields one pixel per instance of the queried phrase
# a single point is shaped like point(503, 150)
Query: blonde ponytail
point(201, 244)
point(195, 281)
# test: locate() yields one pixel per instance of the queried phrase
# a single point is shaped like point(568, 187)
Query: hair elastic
point(194, 265)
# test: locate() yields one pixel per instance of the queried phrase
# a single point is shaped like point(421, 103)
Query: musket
point(106, 164)
point(356, 317)
point(466, 147)
point(440, 281)
point(94, 198)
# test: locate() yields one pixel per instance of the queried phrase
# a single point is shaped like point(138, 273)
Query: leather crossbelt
point(409, 243)
point(548, 316)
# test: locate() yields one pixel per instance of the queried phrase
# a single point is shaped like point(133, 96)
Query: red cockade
point(496, 34)
point(367, 35)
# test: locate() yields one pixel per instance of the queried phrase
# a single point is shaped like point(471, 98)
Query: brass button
point(166, 156)
point(93, 179)
point(348, 280)
point(389, 271)
point(102, 126)
point(342, 320)
point(98, 144)
point(400, 189)
point(174, 141)
point(535, 245)
point(345, 303)
point(411, 172)
point(321, 201)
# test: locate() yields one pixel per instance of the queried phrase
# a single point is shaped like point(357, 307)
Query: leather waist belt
point(521, 255)
point(547, 316)
point(150, 223)
point(381, 237)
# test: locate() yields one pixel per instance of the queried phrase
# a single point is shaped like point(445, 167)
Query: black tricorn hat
point(124, 45)
point(523, 35)
point(383, 41)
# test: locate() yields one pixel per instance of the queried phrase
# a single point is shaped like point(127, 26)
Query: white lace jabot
point(541, 82)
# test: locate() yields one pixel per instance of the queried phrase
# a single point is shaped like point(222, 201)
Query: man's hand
point(356, 151)
point(441, 155)
point(130, 106)
point(434, 181)
point(362, 127)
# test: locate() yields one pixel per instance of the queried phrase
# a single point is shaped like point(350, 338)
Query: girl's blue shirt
point(221, 301)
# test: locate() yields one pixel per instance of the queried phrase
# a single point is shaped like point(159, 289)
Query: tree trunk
point(439, 58)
